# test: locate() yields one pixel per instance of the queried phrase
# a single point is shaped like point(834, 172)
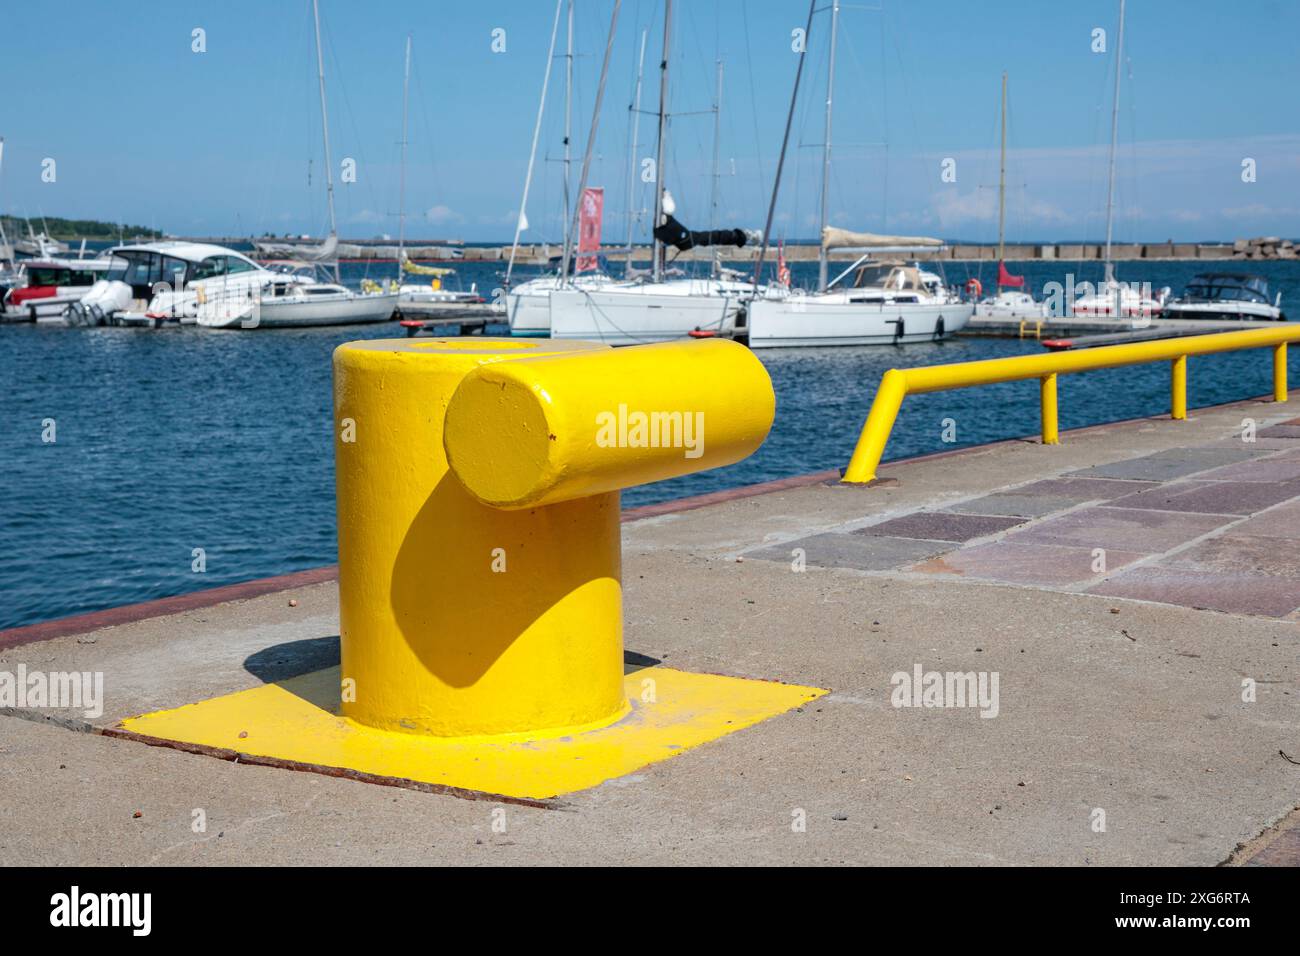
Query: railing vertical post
point(880, 422)
point(1279, 372)
point(1047, 399)
point(1178, 388)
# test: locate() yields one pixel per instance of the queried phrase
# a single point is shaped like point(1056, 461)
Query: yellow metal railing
point(896, 384)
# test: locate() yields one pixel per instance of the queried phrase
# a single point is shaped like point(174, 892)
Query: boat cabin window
point(234, 265)
point(174, 272)
point(59, 276)
point(210, 268)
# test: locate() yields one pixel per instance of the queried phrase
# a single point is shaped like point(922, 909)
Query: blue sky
point(144, 130)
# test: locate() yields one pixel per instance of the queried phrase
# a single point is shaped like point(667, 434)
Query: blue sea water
point(179, 439)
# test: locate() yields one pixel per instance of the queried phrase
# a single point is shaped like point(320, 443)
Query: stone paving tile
point(1158, 497)
point(834, 550)
point(1239, 554)
point(1223, 453)
point(1283, 851)
point(1150, 468)
point(1039, 565)
point(1279, 431)
point(1124, 529)
point(1283, 522)
point(1082, 489)
point(1023, 506)
point(1261, 469)
point(1258, 594)
point(941, 526)
point(1213, 497)
point(1264, 445)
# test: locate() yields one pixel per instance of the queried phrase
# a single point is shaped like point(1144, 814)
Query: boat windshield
point(143, 270)
point(1227, 288)
point(303, 270)
point(888, 275)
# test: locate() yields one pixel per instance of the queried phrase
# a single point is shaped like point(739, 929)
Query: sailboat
point(658, 308)
point(1116, 300)
point(528, 304)
point(878, 300)
point(300, 295)
point(431, 291)
point(1011, 300)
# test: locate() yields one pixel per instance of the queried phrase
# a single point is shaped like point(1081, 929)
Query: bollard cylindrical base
point(457, 619)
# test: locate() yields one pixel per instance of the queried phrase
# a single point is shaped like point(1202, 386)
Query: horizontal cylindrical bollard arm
point(539, 431)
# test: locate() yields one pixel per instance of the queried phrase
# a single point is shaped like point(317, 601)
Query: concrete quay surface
point(1123, 733)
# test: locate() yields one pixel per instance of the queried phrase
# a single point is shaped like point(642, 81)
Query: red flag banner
point(589, 222)
point(1007, 279)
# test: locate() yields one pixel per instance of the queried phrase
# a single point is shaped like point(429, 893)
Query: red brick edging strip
point(81, 623)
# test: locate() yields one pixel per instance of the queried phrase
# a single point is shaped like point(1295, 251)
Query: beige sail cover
point(833, 238)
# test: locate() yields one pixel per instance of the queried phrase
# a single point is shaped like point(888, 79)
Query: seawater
point(178, 439)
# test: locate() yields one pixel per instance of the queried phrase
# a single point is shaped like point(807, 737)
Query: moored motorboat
point(1226, 295)
point(43, 288)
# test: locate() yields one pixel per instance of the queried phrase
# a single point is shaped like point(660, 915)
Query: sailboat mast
point(713, 189)
point(1114, 136)
point(1002, 183)
point(325, 126)
point(521, 223)
point(5, 250)
point(662, 136)
point(568, 125)
point(785, 143)
point(591, 136)
point(401, 179)
point(631, 160)
point(826, 150)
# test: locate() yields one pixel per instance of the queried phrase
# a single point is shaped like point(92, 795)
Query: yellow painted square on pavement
point(294, 720)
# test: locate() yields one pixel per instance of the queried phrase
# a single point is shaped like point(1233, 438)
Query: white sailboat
point(1010, 300)
point(1114, 299)
point(528, 305)
point(874, 301)
point(431, 290)
point(660, 308)
point(293, 301)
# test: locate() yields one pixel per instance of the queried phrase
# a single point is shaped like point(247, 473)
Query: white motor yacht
point(1226, 295)
point(161, 283)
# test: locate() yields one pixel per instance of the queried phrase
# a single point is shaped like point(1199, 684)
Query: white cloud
point(441, 215)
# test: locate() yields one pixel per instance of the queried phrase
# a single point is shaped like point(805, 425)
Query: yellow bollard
point(1047, 403)
point(529, 433)
point(1279, 372)
point(1178, 388)
point(463, 620)
point(482, 646)
point(454, 622)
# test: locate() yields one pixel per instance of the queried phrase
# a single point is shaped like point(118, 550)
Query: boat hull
point(354, 310)
point(1224, 311)
point(635, 317)
point(778, 323)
